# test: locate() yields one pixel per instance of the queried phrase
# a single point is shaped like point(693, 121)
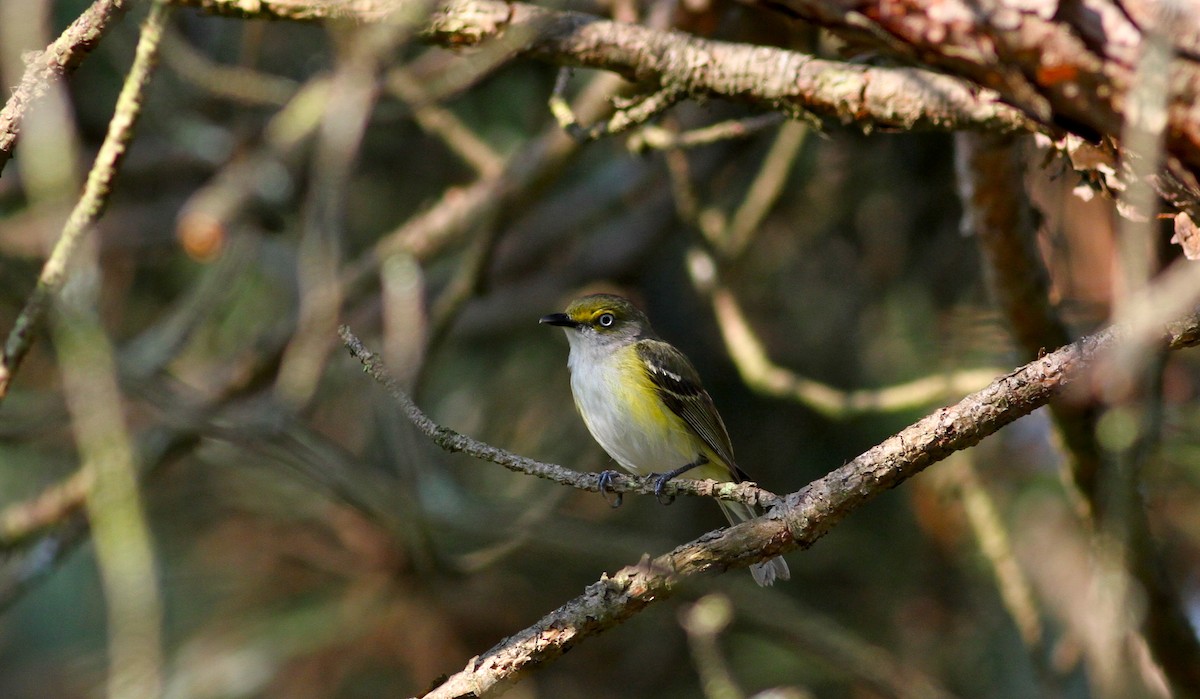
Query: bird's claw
point(603, 485)
point(659, 483)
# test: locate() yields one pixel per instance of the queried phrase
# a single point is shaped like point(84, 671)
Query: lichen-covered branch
point(90, 205)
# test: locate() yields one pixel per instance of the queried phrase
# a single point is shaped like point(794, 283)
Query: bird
point(643, 402)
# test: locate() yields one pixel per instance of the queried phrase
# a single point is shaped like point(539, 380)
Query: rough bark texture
point(1069, 63)
point(1067, 66)
point(991, 182)
point(805, 517)
point(991, 172)
point(851, 94)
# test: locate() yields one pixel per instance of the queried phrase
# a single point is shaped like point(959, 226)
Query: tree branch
point(638, 111)
point(770, 78)
point(1070, 65)
point(89, 207)
point(1068, 69)
point(764, 376)
point(797, 523)
point(998, 213)
point(59, 59)
point(652, 137)
point(455, 442)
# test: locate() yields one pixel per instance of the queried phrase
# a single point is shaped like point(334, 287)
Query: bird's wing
point(678, 386)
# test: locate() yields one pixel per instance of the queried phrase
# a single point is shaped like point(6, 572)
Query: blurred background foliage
point(310, 543)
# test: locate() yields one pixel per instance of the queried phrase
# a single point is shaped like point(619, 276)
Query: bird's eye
point(606, 319)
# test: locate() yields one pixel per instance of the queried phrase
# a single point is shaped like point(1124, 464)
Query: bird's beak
point(561, 319)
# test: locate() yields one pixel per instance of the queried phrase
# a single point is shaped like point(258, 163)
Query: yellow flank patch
point(641, 399)
point(645, 409)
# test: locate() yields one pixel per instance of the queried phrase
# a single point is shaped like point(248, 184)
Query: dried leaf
point(1187, 235)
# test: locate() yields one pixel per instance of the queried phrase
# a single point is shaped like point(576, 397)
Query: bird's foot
point(660, 480)
point(604, 483)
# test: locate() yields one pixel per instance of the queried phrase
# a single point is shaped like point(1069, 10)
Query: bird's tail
point(767, 572)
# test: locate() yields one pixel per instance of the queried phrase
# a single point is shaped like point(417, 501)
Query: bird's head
point(603, 318)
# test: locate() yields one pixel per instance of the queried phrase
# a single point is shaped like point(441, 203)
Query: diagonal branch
point(799, 521)
point(59, 59)
point(993, 193)
point(998, 212)
point(88, 209)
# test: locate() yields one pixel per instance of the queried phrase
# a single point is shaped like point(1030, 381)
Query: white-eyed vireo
point(642, 401)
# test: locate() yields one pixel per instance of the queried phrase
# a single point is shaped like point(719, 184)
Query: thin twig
point(996, 545)
point(459, 209)
point(344, 119)
point(120, 532)
point(454, 442)
point(236, 83)
point(91, 204)
point(636, 111)
point(703, 622)
point(23, 570)
point(653, 137)
point(750, 357)
point(23, 520)
point(443, 123)
point(763, 375)
point(765, 189)
point(746, 350)
point(466, 283)
point(235, 188)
